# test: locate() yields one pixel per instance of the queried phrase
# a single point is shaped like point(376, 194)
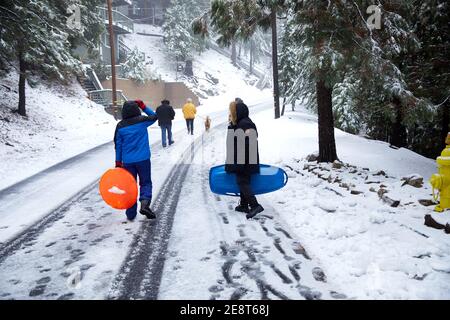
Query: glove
point(119, 164)
point(140, 104)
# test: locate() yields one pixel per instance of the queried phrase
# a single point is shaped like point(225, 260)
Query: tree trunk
point(327, 143)
point(22, 82)
point(189, 68)
point(398, 137)
point(276, 86)
point(293, 106)
point(284, 106)
point(251, 57)
point(233, 53)
point(445, 122)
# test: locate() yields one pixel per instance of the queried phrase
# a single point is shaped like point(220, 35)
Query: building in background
point(148, 11)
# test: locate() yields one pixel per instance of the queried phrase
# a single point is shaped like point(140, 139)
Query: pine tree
point(342, 55)
point(428, 69)
point(134, 68)
point(36, 35)
point(236, 20)
point(180, 39)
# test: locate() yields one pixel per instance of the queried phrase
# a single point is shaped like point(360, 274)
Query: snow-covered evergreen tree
point(347, 65)
point(134, 68)
point(36, 35)
point(180, 39)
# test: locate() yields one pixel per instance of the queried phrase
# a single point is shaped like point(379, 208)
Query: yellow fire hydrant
point(441, 181)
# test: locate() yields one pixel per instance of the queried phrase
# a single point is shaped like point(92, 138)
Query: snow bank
point(62, 122)
point(347, 217)
point(296, 136)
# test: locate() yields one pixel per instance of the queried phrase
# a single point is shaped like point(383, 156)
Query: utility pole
point(113, 55)
point(276, 86)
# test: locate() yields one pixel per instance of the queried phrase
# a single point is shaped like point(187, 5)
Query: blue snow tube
point(269, 179)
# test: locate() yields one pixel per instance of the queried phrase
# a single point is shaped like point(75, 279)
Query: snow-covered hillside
point(209, 66)
point(369, 247)
point(61, 122)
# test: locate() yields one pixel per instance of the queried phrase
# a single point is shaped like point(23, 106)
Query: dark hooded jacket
point(131, 136)
point(165, 113)
point(246, 125)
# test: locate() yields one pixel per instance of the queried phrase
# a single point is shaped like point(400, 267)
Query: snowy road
point(216, 253)
point(82, 249)
point(24, 203)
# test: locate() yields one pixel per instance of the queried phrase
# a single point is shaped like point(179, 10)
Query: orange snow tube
point(118, 188)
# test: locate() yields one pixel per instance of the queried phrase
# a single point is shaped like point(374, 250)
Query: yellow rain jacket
point(189, 111)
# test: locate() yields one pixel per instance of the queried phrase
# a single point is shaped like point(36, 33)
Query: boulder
point(337, 164)
point(427, 202)
point(415, 181)
point(314, 157)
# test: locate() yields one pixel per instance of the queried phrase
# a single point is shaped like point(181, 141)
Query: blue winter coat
point(131, 138)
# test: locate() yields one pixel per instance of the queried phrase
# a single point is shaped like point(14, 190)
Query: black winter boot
point(242, 208)
point(146, 211)
point(254, 211)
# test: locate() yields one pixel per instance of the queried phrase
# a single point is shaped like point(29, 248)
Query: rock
point(372, 189)
point(337, 180)
point(393, 203)
point(312, 157)
point(427, 202)
point(356, 192)
point(337, 164)
point(371, 182)
point(310, 167)
point(415, 181)
point(328, 207)
point(380, 173)
point(430, 222)
point(381, 192)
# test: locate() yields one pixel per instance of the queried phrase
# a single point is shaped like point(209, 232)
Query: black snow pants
point(247, 196)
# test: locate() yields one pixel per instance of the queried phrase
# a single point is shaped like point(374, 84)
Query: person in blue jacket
point(133, 151)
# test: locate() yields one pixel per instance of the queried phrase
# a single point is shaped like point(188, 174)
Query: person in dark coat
point(243, 156)
point(133, 151)
point(165, 115)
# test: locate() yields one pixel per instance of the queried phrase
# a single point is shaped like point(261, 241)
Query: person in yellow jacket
point(189, 112)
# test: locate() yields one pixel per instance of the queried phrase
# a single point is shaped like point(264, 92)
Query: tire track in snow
point(266, 261)
point(141, 273)
point(30, 234)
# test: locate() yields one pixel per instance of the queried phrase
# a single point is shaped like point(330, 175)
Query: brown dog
point(207, 124)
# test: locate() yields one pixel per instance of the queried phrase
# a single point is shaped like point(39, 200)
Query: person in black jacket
point(243, 156)
point(165, 115)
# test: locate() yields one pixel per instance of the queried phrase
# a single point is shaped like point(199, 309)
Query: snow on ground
point(62, 122)
point(295, 136)
point(233, 82)
point(89, 242)
point(366, 247)
point(216, 253)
